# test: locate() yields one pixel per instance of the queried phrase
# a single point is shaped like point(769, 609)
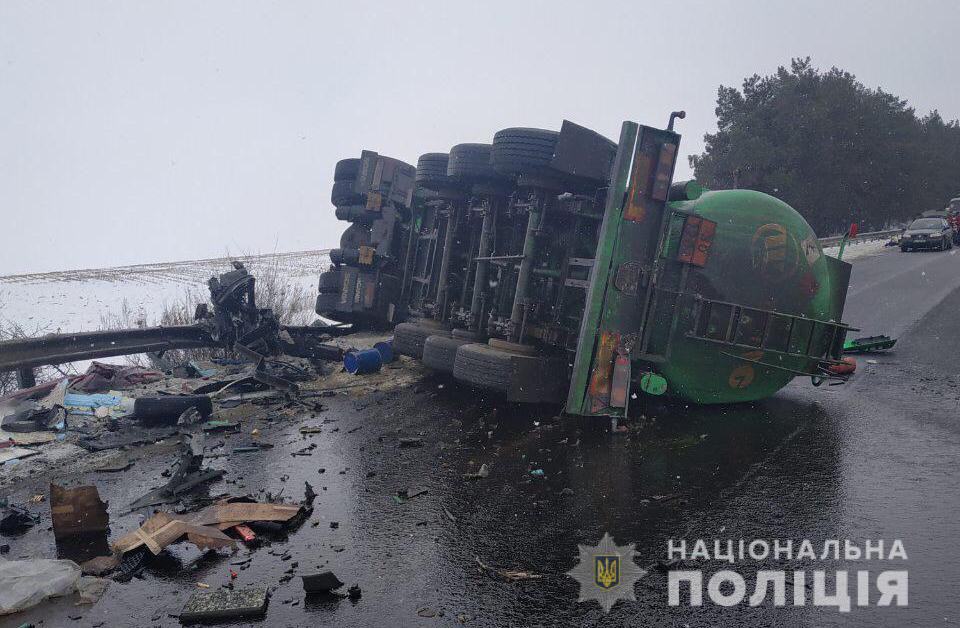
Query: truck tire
point(516, 376)
point(432, 170)
point(522, 150)
point(470, 163)
point(330, 281)
point(343, 194)
point(355, 236)
point(440, 352)
point(346, 170)
point(166, 410)
point(409, 338)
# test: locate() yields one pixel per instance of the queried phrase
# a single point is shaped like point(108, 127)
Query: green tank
point(764, 308)
point(710, 297)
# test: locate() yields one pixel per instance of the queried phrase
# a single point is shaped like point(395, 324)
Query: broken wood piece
point(162, 529)
point(77, 511)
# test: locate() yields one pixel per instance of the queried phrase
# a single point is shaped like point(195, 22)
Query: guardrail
point(861, 237)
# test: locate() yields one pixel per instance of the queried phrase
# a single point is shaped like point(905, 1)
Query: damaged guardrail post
point(26, 378)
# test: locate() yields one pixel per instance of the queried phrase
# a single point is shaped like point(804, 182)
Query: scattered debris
point(26, 583)
point(130, 437)
point(101, 565)
point(221, 425)
point(869, 344)
point(167, 410)
point(305, 451)
point(8, 454)
point(510, 575)
point(411, 442)
point(91, 589)
point(538, 473)
point(308, 494)
point(410, 493)
point(362, 362)
point(120, 464)
point(162, 529)
point(245, 533)
point(482, 472)
point(77, 511)
point(17, 520)
point(186, 475)
point(323, 582)
point(225, 604)
point(846, 366)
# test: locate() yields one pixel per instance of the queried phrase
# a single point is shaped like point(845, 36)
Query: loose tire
point(346, 170)
point(409, 338)
point(522, 150)
point(166, 409)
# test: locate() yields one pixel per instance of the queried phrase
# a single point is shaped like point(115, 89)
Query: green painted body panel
point(731, 317)
point(764, 256)
point(601, 277)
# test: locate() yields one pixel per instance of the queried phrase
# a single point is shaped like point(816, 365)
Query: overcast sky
point(147, 131)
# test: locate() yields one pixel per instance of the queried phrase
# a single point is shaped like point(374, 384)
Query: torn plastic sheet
point(26, 583)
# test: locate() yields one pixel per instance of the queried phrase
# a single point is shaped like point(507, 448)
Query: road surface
point(877, 458)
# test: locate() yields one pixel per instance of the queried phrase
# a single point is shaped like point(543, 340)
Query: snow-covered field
point(87, 300)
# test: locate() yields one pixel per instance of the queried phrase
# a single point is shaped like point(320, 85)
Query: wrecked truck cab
point(363, 286)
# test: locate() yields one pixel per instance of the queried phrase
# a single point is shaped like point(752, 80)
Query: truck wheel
point(432, 170)
point(354, 237)
point(470, 163)
point(409, 338)
point(517, 376)
point(346, 170)
point(330, 281)
point(343, 194)
point(153, 410)
point(440, 352)
point(522, 150)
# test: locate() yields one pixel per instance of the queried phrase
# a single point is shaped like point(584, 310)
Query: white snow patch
point(855, 249)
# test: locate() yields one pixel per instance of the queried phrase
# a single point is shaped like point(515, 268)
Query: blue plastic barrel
point(362, 362)
point(386, 351)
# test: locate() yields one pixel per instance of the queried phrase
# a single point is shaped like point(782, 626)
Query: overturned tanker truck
point(558, 266)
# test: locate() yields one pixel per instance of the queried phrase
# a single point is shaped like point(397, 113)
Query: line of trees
point(835, 150)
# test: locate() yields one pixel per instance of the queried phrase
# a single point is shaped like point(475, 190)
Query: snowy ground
point(87, 300)
point(857, 249)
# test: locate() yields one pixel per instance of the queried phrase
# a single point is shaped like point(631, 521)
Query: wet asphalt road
point(876, 458)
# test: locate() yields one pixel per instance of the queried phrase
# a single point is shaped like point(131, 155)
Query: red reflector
point(696, 240)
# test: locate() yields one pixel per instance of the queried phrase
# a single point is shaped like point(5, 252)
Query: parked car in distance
point(927, 233)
